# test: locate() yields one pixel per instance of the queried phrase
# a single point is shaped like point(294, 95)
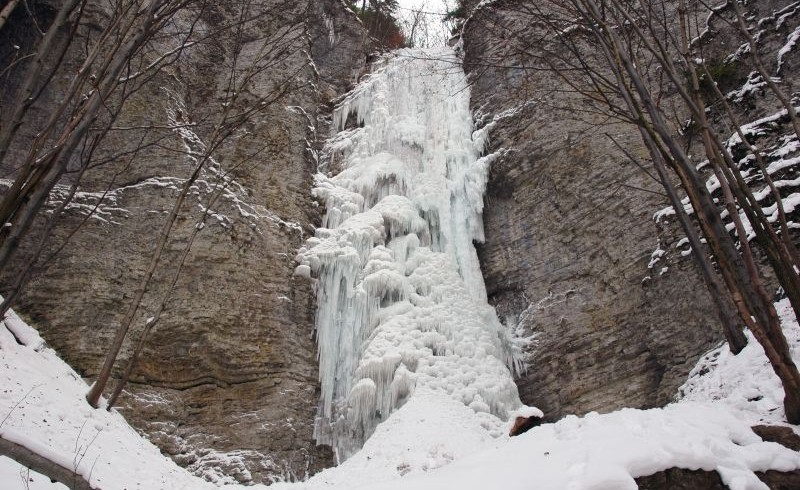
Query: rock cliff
point(577, 257)
point(227, 381)
point(570, 237)
point(614, 312)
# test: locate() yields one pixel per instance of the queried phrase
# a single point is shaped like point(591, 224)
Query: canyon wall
point(570, 235)
point(581, 257)
point(611, 306)
point(227, 381)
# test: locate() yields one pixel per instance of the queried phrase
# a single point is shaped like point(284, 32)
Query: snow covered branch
point(45, 466)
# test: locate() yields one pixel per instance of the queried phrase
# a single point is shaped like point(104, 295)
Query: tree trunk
point(6, 12)
point(40, 464)
point(755, 307)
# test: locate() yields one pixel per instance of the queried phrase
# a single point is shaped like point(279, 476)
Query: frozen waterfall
point(401, 301)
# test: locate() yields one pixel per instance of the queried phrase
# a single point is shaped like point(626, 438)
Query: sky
point(432, 5)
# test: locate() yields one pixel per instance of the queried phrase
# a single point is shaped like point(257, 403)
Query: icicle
point(401, 300)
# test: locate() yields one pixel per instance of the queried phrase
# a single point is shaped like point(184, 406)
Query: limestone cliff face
point(227, 383)
point(569, 237)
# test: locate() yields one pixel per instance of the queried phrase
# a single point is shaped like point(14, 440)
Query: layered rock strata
point(570, 235)
point(227, 382)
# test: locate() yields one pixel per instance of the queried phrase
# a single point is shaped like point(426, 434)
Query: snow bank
point(42, 407)
point(428, 432)
point(433, 440)
point(744, 383)
point(707, 429)
point(609, 451)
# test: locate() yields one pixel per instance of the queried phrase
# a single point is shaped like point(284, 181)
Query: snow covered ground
point(422, 322)
point(42, 407)
point(432, 441)
point(416, 151)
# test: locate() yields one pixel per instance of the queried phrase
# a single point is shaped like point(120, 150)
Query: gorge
point(400, 250)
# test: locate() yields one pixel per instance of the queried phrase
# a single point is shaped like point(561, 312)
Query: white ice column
point(401, 300)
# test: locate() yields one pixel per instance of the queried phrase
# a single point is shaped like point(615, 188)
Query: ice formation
point(401, 301)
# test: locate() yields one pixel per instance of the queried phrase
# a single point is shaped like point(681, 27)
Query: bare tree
point(137, 42)
point(233, 117)
point(633, 61)
point(6, 11)
point(427, 26)
point(56, 472)
point(96, 84)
